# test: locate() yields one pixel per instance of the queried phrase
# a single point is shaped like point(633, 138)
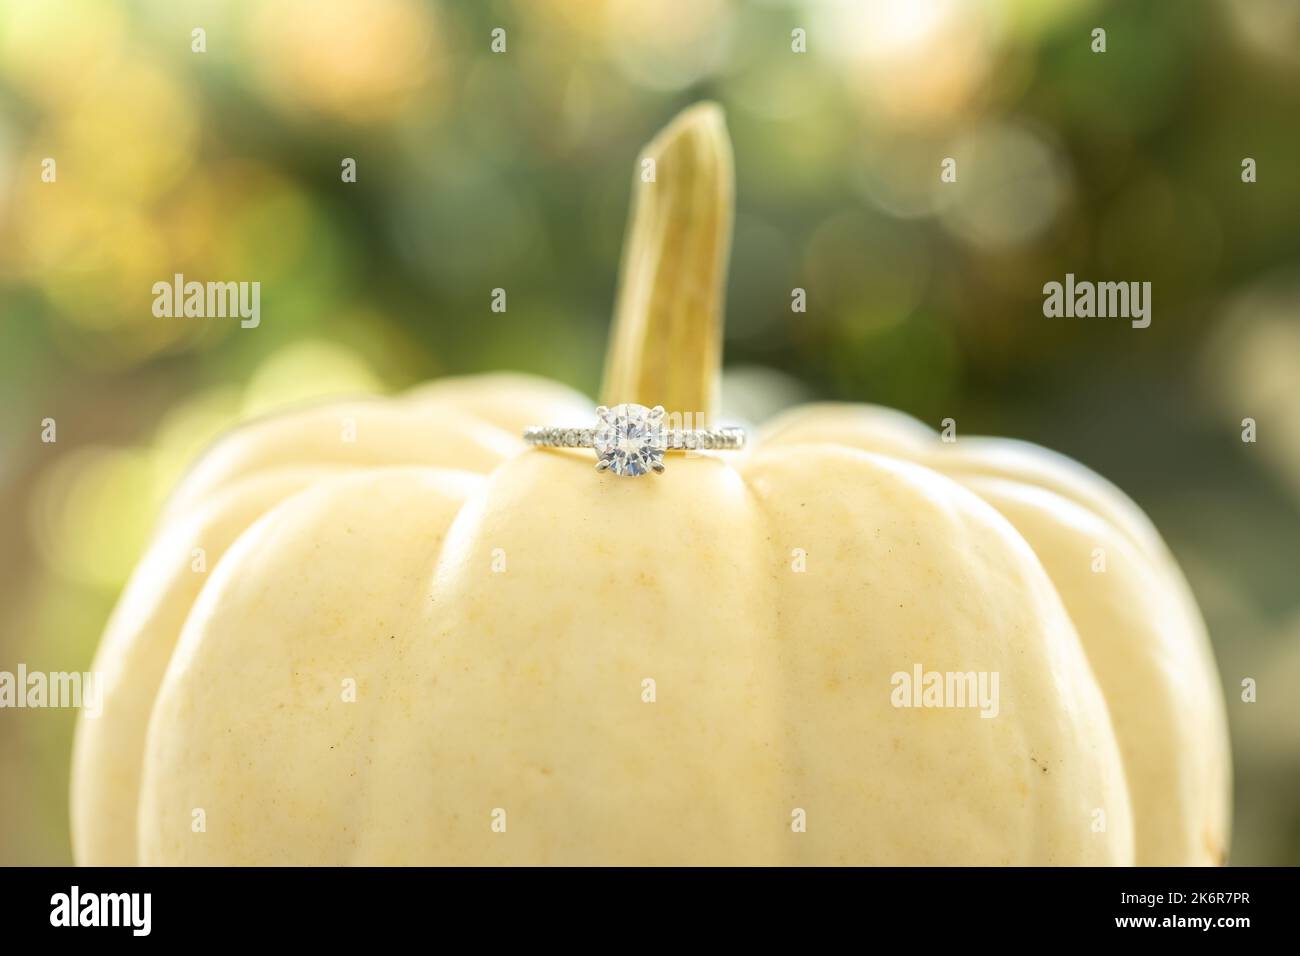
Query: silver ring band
point(631, 440)
point(675, 439)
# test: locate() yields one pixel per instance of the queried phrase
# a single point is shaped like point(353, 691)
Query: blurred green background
point(479, 170)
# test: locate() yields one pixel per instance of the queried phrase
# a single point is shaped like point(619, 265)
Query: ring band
point(677, 439)
point(632, 439)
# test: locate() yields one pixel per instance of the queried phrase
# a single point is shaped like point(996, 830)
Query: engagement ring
point(631, 440)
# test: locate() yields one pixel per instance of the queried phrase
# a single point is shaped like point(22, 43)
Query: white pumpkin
point(432, 644)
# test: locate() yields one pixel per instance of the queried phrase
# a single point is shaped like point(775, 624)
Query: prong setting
point(630, 440)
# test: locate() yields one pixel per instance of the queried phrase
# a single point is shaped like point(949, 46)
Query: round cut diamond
point(630, 439)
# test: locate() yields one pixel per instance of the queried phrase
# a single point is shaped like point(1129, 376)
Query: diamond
point(629, 439)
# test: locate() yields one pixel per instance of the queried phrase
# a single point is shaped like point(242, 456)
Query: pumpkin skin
point(481, 687)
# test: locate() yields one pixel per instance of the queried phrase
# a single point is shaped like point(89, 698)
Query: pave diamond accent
point(629, 439)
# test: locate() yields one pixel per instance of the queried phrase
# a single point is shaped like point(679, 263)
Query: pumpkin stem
point(666, 345)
